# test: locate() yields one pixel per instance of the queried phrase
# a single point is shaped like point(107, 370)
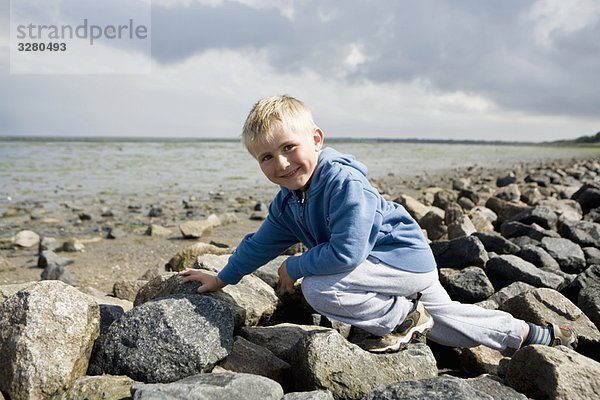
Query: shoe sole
point(413, 334)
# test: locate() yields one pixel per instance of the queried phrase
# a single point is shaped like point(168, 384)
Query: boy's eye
point(265, 158)
point(288, 147)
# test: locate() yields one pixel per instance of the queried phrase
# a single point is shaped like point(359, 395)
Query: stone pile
point(524, 241)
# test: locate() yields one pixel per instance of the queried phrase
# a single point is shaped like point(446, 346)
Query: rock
point(157, 230)
point(452, 213)
point(230, 386)
point(251, 300)
point(46, 335)
point(506, 269)
point(8, 290)
point(592, 255)
point(49, 243)
point(166, 339)
point(98, 388)
point(26, 239)
point(312, 395)
point(228, 218)
point(458, 253)
point(480, 360)
point(433, 223)
point(588, 197)
point(48, 257)
point(186, 258)
point(72, 246)
point(506, 180)
point(212, 262)
point(589, 277)
point(83, 216)
point(461, 227)
point(538, 178)
point(196, 229)
point(414, 207)
point(56, 272)
point(543, 216)
point(538, 257)
point(504, 209)
point(446, 387)
point(443, 197)
point(533, 231)
point(268, 272)
point(589, 302)
point(468, 285)
point(496, 243)
point(325, 360)
point(565, 209)
point(116, 233)
point(531, 196)
point(279, 339)
point(584, 233)
point(541, 305)
point(251, 358)
point(569, 255)
point(510, 291)
point(509, 192)
point(553, 373)
point(155, 212)
point(481, 221)
point(127, 290)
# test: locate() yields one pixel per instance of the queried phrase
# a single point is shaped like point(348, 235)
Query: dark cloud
point(484, 48)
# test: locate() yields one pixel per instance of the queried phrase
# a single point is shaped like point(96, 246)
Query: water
point(50, 170)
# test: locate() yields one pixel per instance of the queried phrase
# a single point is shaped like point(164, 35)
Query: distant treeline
point(583, 140)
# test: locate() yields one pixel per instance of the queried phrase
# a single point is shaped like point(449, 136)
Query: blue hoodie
point(342, 220)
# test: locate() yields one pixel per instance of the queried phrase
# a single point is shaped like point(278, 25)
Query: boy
point(367, 257)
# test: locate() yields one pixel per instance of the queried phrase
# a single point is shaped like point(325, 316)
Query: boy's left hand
point(286, 284)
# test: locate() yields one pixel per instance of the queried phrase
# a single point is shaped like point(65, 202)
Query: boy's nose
point(282, 162)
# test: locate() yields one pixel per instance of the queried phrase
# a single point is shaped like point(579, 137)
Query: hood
point(328, 159)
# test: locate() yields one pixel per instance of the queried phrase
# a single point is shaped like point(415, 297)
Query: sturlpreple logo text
point(84, 31)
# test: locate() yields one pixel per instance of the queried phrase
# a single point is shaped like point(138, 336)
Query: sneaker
point(416, 324)
point(562, 336)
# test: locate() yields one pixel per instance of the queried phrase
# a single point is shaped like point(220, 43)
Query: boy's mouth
point(290, 174)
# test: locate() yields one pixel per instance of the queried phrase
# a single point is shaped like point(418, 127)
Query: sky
point(510, 70)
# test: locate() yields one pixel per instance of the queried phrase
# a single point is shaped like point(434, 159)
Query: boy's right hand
point(209, 283)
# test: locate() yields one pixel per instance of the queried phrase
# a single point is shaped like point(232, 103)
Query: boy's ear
point(318, 138)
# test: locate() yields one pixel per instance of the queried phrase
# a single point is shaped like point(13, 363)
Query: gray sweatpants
point(376, 298)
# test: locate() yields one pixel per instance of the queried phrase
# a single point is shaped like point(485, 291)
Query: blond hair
point(276, 112)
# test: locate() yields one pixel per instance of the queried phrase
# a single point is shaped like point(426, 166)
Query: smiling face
point(289, 159)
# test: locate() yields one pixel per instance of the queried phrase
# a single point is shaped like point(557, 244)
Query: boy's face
point(290, 159)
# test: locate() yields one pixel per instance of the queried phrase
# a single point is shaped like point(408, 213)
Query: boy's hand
point(286, 284)
point(209, 283)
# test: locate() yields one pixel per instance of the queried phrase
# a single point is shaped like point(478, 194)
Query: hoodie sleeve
point(256, 249)
point(354, 224)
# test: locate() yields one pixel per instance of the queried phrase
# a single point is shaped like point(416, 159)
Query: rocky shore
point(91, 305)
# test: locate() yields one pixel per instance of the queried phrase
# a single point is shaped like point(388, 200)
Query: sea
point(46, 170)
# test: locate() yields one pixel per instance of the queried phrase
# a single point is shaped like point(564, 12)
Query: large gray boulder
point(542, 304)
point(325, 360)
point(468, 285)
point(47, 331)
point(553, 373)
point(459, 253)
point(538, 257)
point(251, 358)
point(568, 254)
point(584, 233)
point(166, 339)
point(280, 339)
point(589, 302)
point(446, 387)
point(98, 388)
point(227, 385)
point(496, 243)
point(251, 300)
point(541, 215)
point(506, 269)
point(312, 395)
